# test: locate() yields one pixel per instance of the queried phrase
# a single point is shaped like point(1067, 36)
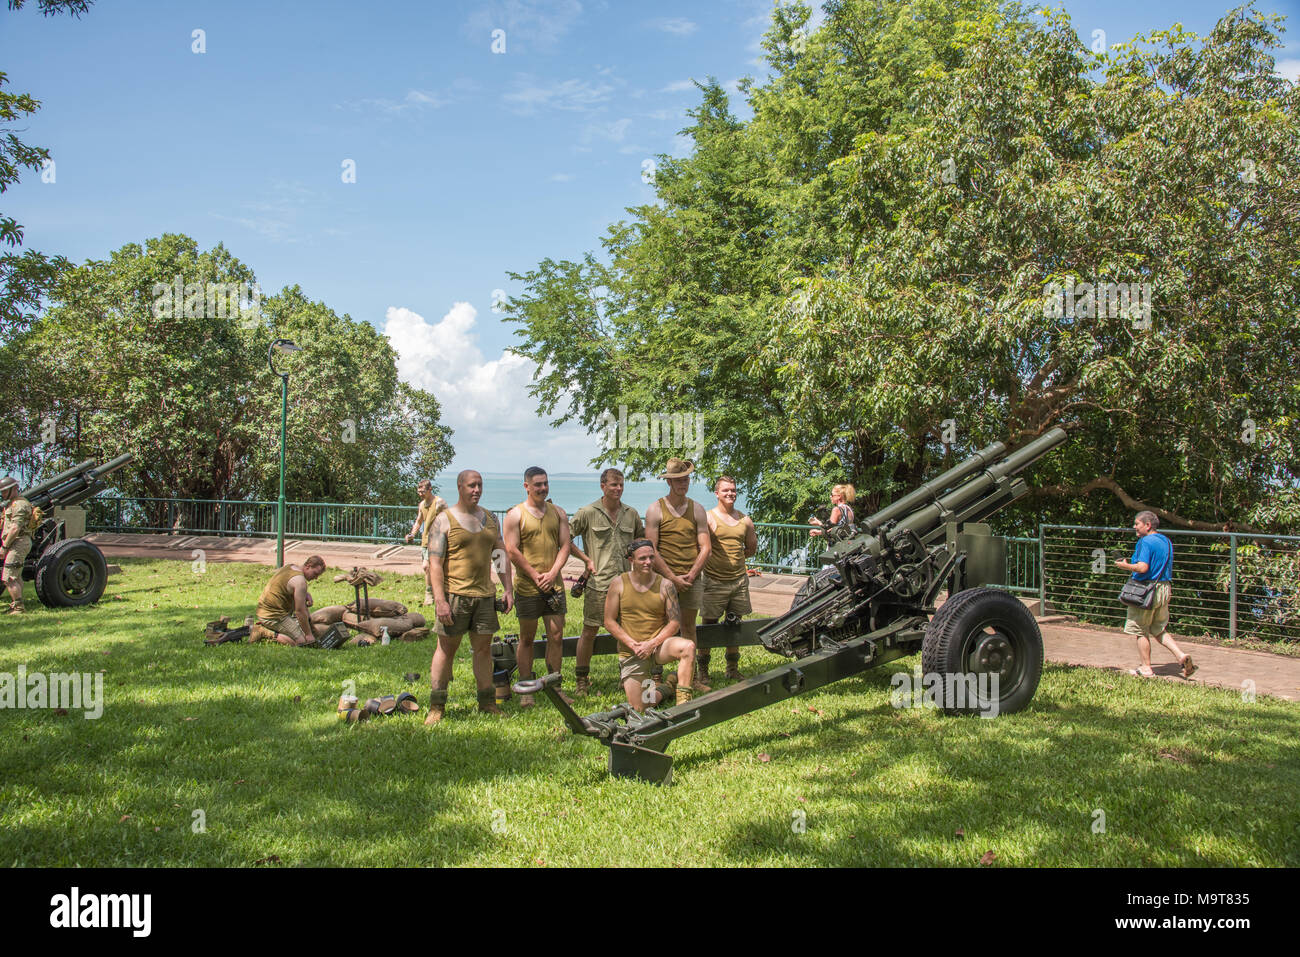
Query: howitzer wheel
point(71, 574)
point(979, 634)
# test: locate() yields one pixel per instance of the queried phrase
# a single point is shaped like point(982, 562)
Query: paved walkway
point(770, 594)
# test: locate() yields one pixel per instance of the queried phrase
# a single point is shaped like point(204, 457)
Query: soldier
point(726, 582)
point(15, 541)
point(462, 543)
point(430, 506)
point(607, 527)
point(536, 535)
point(679, 531)
point(642, 612)
point(282, 609)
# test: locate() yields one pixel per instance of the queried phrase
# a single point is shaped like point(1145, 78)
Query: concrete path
point(770, 594)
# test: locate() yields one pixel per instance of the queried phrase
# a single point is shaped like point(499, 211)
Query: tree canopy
point(951, 223)
point(162, 352)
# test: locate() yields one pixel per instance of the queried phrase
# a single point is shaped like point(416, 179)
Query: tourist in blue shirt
point(1152, 561)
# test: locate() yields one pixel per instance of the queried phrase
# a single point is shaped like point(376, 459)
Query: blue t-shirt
point(1158, 552)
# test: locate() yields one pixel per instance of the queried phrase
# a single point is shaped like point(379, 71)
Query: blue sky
point(469, 163)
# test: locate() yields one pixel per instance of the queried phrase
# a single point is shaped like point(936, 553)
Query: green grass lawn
point(248, 735)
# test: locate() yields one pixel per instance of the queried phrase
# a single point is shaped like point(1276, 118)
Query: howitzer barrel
point(930, 519)
point(59, 479)
point(75, 485)
point(934, 488)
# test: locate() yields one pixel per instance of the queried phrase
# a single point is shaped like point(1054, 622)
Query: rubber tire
point(50, 586)
point(948, 642)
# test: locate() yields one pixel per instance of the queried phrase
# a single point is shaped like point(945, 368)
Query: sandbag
point(381, 608)
point(375, 626)
point(415, 634)
point(330, 615)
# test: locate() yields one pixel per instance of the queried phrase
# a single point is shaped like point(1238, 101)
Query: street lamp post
point(284, 346)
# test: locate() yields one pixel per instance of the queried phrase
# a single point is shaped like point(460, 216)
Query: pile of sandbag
point(384, 613)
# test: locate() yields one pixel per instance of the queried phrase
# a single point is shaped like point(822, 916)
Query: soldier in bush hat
point(679, 530)
point(15, 541)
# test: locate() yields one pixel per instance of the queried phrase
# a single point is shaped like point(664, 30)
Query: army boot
point(437, 706)
point(527, 700)
point(487, 703)
point(683, 694)
point(702, 659)
point(582, 682)
point(733, 666)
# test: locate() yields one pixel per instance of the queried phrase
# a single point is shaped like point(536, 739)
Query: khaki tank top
point(677, 537)
point(726, 562)
point(641, 614)
point(467, 569)
point(539, 540)
point(276, 601)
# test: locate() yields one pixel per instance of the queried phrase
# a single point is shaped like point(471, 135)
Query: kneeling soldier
point(282, 609)
point(642, 612)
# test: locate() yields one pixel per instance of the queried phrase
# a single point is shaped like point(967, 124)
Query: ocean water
point(570, 491)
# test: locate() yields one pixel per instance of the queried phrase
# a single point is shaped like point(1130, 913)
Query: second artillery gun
point(68, 570)
point(871, 602)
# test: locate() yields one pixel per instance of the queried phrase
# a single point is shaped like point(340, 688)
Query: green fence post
point(374, 514)
point(1042, 577)
point(1232, 586)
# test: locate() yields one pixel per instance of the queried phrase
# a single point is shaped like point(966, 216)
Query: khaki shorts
point(532, 607)
point(14, 558)
point(692, 597)
point(468, 613)
point(723, 597)
point(1152, 621)
point(288, 625)
point(593, 608)
point(631, 667)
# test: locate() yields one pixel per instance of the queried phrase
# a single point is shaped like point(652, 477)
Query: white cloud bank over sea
point(486, 401)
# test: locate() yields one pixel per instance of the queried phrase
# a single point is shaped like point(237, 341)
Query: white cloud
point(561, 177)
point(575, 96)
point(484, 400)
point(680, 86)
point(678, 26)
point(1289, 69)
point(414, 100)
point(615, 132)
point(529, 24)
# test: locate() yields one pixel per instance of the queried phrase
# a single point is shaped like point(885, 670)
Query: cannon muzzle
point(75, 485)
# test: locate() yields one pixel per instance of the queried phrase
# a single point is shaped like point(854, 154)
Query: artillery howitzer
point(871, 602)
point(68, 571)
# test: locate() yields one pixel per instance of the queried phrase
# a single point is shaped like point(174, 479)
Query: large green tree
point(123, 363)
point(862, 271)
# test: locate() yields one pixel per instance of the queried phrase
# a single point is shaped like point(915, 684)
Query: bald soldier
point(15, 541)
point(283, 608)
point(678, 529)
point(462, 543)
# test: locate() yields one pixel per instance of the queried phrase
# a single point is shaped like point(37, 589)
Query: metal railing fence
point(1224, 582)
point(1228, 583)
